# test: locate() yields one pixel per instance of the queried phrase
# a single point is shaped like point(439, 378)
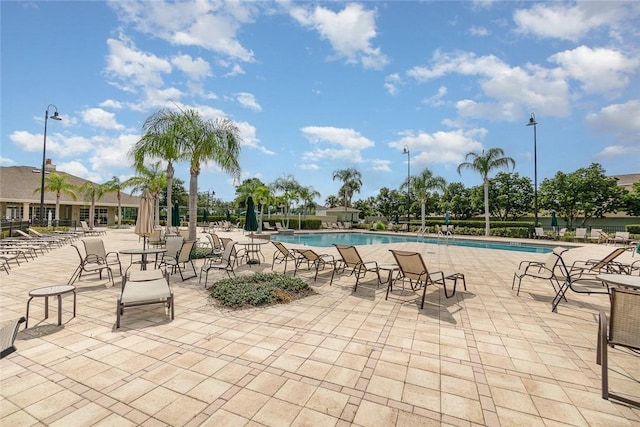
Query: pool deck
point(483, 357)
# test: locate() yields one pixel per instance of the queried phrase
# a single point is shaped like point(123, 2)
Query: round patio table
point(624, 280)
point(51, 291)
point(252, 247)
point(143, 255)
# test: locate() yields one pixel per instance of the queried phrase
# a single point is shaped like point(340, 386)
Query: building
point(20, 199)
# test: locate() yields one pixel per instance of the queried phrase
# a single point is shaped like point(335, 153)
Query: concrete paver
point(483, 357)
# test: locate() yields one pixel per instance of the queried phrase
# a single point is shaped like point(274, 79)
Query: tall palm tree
point(161, 139)
point(114, 185)
point(351, 183)
point(57, 183)
point(422, 184)
point(262, 195)
point(290, 189)
point(308, 196)
point(154, 179)
point(92, 193)
point(201, 142)
point(484, 163)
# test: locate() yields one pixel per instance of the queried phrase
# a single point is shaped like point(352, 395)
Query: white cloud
point(513, 87)
point(309, 166)
point(392, 82)
point(622, 120)
point(4, 161)
point(236, 70)
point(381, 165)
point(207, 24)
point(436, 100)
point(78, 169)
point(249, 138)
point(478, 31)
point(573, 21)
point(600, 70)
point(350, 32)
point(248, 100)
point(347, 138)
point(440, 147)
point(132, 67)
point(196, 69)
point(98, 117)
point(111, 103)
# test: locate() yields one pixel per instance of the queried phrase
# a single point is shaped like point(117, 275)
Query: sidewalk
point(483, 357)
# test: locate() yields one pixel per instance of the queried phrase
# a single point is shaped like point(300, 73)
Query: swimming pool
point(328, 239)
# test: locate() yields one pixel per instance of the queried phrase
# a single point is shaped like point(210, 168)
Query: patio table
point(144, 253)
point(51, 291)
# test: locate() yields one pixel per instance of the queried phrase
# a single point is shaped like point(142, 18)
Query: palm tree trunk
point(57, 218)
point(424, 205)
point(486, 206)
point(193, 204)
point(170, 173)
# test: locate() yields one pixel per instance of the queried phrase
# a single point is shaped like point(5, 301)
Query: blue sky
point(320, 86)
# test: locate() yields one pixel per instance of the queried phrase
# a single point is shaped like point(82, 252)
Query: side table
point(51, 291)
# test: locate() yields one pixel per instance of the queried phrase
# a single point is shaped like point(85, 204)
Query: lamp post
point(532, 122)
point(55, 116)
point(211, 193)
point(406, 151)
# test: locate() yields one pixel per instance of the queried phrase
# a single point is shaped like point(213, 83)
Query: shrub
point(259, 289)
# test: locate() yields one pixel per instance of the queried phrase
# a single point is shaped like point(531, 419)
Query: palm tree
point(484, 163)
point(57, 183)
point(114, 185)
point(92, 193)
point(290, 193)
point(351, 183)
point(332, 201)
point(422, 184)
point(262, 195)
point(161, 139)
point(204, 141)
point(308, 196)
point(154, 179)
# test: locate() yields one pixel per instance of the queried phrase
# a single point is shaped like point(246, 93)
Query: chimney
point(49, 166)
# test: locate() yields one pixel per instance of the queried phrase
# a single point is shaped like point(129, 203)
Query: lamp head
point(56, 116)
point(532, 120)
point(405, 150)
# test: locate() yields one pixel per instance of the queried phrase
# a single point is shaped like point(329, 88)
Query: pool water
point(328, 239)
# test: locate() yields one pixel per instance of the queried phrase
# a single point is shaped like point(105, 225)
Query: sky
point(315, 87)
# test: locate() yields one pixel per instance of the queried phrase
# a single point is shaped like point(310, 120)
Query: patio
point(483, 357)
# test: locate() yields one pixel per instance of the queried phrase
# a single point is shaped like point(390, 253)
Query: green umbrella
point(175, 215)
point(228, 215)
point(250, 222)
point(554, 220)
point(205, 216)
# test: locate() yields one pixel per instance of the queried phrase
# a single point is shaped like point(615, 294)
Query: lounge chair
point(180, 260)
point(352, 260)
point(317, 261)
point(95, 247)
point(539, 233)
point(621, 237)
point(592, 267)
point(581, 281)
point(4, 264)
point(143, 288)
point(621, 330)
point(226, 263)
point(597, 235)
point(541, 270)
point(266, 226)
point(8, 334)
point(581, 233)
point(282, 254)
point(412, 267)
point(90, 264)
point(91, 231)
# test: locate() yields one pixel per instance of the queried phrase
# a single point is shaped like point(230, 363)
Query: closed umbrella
point(251, 225)
point(554, 220)
point(205, 216)
point(144, 221)
point(250, 221)
point(446, 218)
point(175, 215)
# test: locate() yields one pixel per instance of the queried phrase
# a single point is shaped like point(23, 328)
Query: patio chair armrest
point(432, 274)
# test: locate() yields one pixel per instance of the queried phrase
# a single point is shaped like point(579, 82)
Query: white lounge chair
point(145, 287)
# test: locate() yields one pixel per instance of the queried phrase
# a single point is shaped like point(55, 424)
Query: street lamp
point(55, 116)
point(532, 122)
point(211, 193)
point(406, 151)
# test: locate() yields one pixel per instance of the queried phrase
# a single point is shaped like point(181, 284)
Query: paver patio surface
point(483, 357)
